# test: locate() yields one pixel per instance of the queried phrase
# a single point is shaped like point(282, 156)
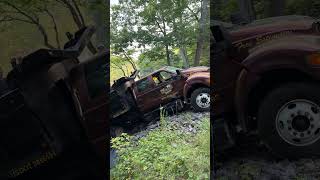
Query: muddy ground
point(251, 160)
point(184, 121)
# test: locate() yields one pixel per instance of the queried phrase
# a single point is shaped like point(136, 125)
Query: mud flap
point(223, 135)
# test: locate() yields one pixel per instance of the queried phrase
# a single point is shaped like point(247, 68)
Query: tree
point(247, 10)
point(276, 8)
point(31, 12)
point(98, 10)
point(162, 25)
point(121, 34)
point(119, 68)
point(28, 12)
point(203, 25)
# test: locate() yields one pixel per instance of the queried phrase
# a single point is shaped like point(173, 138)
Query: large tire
point(116, 131)
point(200, 99)
point(289, 120)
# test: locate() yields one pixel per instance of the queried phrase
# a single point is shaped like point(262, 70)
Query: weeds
point(164, 153)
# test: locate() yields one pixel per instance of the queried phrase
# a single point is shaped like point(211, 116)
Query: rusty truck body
point(169, 87)
point(266, 80)
point(53, 114)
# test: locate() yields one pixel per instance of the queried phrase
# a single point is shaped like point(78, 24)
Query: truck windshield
point(172, 69)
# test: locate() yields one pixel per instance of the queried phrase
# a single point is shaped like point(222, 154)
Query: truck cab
point(54, 114)
point(169, 88)
point(266, 79)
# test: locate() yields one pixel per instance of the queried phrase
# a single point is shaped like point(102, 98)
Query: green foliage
point(119, 67)
point(155, 58)
point(221, 10)
point(165, 153)
point(302, 7)
point(157, 29)
point(228, 8)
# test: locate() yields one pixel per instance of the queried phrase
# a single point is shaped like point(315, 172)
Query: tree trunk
point(276, 8)
point(129, 59)
point(100, 22)
point(168, 55)
point(247, 10)
point(184, 57)
point(202, 28)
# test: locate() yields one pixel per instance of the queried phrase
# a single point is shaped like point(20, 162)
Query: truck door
point(170, 87)
point(90, 86)
point(144, 97)
point(165, 87)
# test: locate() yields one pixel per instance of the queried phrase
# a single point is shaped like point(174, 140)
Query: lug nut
point(301, 134)
point(295, 133)
point(311, 119)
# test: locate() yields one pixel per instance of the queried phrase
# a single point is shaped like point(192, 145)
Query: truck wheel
point(200, 99)
point(116, 131)
point(289, 120)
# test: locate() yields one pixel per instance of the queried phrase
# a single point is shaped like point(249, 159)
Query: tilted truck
point(266, 81)
point(133, 101)
point(53, 114)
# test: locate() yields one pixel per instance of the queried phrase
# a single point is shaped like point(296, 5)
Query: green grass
point(165, 153)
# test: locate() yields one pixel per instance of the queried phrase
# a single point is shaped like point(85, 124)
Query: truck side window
point(156, 80)
point(165, 75)
point(96, 75)
point(143, 84)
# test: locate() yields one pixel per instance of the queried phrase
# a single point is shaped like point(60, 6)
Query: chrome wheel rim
point(298, 122)
point(203, 100)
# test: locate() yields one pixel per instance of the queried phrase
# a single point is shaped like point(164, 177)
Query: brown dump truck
point(266, 81)
point(169, 87)
point(53, 114)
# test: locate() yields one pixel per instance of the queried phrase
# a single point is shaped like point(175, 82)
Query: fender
point(202, 78)
point(288, 53)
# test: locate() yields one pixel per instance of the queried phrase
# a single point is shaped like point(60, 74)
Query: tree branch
point(18, 10)
point(160, 27)
point(129, 59)
point(193, 14)
point(78, 22)
point(73, 13)
point(54, 26)
point(32, 20)
point(118, 66)
point(79, 11)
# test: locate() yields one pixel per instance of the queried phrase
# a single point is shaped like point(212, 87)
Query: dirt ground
point(249, 161)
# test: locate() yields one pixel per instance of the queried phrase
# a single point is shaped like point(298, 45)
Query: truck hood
point(263, 26)
point(193, 70)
